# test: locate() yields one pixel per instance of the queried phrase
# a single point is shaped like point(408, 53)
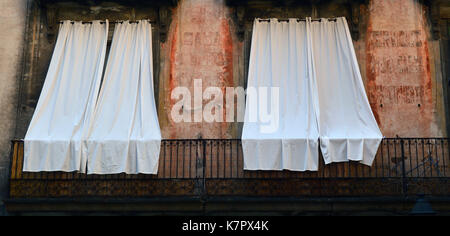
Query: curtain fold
point(279, 58)
point(348, 129)
point(322, 96)
point(124, 136)
point(67, 100)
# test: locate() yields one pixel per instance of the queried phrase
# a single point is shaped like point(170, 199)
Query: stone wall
point(202, 45)
point(12, 25)
point(403, 74)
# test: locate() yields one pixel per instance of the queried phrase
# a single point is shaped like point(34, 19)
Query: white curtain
point(67, 100)
point(348, 129)
point(124, 136)
point(279, 58)
point(321, 94)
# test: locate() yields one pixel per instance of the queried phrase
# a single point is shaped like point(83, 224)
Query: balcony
point(204, 170)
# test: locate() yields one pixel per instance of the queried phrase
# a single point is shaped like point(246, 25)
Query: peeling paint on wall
point(201, 47)
point(398, 69)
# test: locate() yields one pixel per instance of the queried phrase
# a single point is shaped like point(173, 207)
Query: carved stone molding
point(49, 9)
point(315, 6)
point(240, 16)
point(145, 3)
point(164, 22)
point(355, 16)
point(240, 8)
point(51, 15)
point(435, 16)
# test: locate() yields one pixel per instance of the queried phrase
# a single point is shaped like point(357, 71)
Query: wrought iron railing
point(205, 167)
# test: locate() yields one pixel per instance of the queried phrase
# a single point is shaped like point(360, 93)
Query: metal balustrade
point(216, 167)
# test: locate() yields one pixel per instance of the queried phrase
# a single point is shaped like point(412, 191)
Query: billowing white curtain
point(67, 100)
point(124, 136)
point(279, 58)
point(348, 129)
point(321, 96)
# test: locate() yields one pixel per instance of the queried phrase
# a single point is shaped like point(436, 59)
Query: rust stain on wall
point(398, 69)
point(227, 69)
point(201, 47)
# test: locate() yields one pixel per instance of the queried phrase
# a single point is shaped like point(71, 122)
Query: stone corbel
point(435, 15)
point(51, 15)
point(240, 16)
point(355, 17)
point(315, 6)
point(164, 22)
point(239, 9)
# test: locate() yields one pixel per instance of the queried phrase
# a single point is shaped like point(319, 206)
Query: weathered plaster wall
point(202, 45)
point(403, 71)
point(12, 25)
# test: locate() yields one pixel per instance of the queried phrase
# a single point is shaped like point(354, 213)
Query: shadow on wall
point(2, 209)
point(4, 173)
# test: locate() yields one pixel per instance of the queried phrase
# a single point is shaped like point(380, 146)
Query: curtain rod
point(112, 22)
point(287, 20)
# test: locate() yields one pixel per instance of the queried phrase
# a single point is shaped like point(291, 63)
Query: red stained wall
point(399, 79)
point(200, 46)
